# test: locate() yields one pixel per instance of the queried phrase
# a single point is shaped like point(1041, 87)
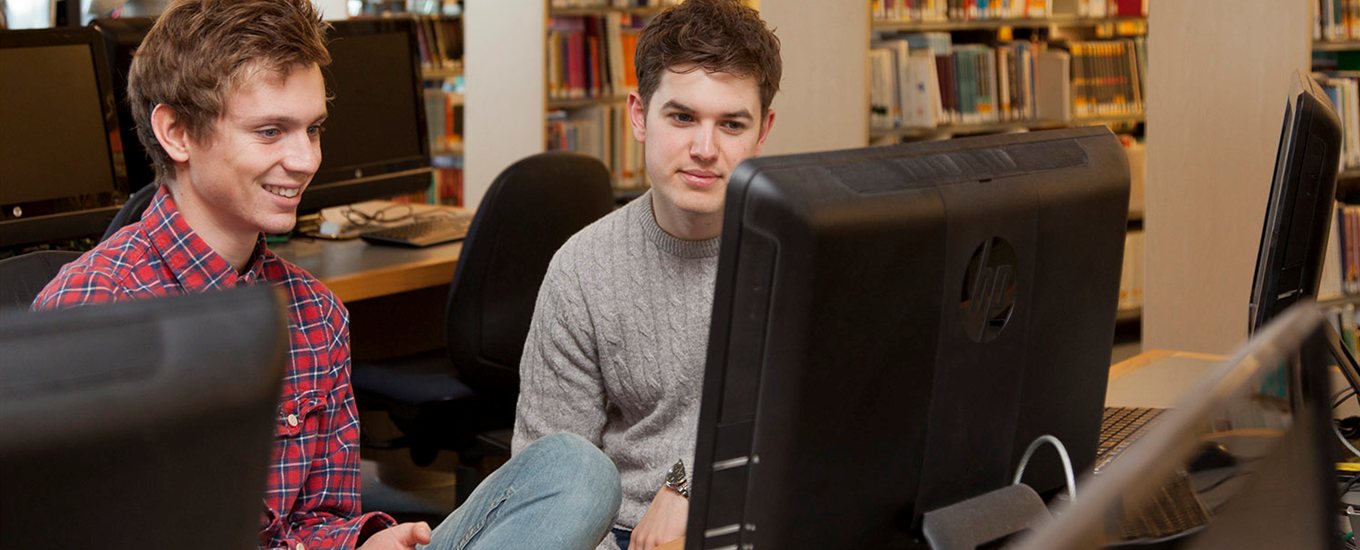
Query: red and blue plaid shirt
point(312, 498)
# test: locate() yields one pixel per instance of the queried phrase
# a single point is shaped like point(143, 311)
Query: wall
point(1218, 75)
point(505, 101)
point(823, 101)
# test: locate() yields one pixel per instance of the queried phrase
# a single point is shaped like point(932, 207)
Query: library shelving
point(941, 69)
point(937, 73)
point(440, 39)
point(589, 68)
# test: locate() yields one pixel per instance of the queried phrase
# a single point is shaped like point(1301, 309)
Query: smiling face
point(247, 175)
point(697, 127)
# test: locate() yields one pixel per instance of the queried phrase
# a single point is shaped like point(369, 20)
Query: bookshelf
point(938, 73)
point(589, 52)
point(440, 39)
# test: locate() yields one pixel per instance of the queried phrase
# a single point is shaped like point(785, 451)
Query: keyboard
point(1119, 427)
point(422, 232)
point(1174, 509)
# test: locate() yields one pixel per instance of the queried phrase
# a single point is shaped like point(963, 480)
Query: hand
point(664, 521)
point(404, 536)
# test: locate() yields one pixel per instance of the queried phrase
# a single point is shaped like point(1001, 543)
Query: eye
point(315, 130)
point(269, 133)
point(682, 117)
point(734, 125)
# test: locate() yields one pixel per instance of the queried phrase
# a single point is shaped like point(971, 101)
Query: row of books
point(921, 80)
point(603, 132)
point(1343, 88)
point(1337, 20)
point(957, 10)
point(921, 11)
point(1106, 8)
point(595, 4)
point(592, 56)
point(440, 40)
point(444, 120)
point(1348, 240)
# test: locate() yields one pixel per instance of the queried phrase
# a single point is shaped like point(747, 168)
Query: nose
point(303, 156)
point(704, 147)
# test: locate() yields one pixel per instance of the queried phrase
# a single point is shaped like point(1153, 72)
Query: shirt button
point(292, 422)
point(300, 546)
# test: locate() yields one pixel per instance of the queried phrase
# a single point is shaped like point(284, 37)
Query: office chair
point(132, 210)
point(23, 277)
point(463, 398)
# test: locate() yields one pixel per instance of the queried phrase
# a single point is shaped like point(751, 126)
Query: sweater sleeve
point(561, 387)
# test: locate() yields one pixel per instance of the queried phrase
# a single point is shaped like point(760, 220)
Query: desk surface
point(355, 270)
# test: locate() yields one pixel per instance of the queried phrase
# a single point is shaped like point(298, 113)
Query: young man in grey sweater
point(617, 346)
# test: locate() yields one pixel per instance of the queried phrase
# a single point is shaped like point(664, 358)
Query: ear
point(765, 129)
point(170, 132)
point(637, 115)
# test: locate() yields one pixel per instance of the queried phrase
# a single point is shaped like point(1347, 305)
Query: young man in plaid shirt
point(229, 101)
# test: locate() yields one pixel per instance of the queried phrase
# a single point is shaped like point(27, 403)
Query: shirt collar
point(195, 264)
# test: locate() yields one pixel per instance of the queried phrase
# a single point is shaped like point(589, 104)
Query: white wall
point(823, 101)
point(1218, 75)
point(505, 101)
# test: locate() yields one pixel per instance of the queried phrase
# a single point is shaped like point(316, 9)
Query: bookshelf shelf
point(880, 26)
point(1128, 314)
point(440, 73)
point(1336, 46)
point(995, 127)
point(555, 104)
point(577, 12)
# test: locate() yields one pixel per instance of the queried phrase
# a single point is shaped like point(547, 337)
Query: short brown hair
point(718, 36)
point(199, 51)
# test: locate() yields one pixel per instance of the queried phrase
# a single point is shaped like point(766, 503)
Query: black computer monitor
point(893, 326)
point(376, 143)
point(143, 424)
point(1302, 196)
point(61, 165)
point(121, 37)
point(1265, 412)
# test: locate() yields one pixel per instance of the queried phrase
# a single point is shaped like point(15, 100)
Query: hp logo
point(989, 286)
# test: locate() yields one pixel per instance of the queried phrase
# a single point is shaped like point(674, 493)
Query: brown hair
point(713, 35)
point(199, 51)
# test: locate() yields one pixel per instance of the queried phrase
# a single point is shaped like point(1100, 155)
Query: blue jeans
point(623, 537)
point(559, 492)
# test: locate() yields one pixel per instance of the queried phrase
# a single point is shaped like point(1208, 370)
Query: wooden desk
point(355, 270)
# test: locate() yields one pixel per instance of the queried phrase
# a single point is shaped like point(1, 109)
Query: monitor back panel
point(893, 325)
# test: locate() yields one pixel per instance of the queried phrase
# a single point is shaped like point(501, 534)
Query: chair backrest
point(530, 210)
point(132, 210)
point(23, 277)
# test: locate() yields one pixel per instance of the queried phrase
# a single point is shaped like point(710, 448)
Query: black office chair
point(132, 210)
point(463, 398)
point(23, 277)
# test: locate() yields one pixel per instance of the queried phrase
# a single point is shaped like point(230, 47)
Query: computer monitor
point(142, 424)
point(121, 36)
point(893, 326)
point(1302, 196)
point(376, 144)
point(60, 157)
point(1266, 410)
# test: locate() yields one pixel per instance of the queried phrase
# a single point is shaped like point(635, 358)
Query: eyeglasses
point(389, 213)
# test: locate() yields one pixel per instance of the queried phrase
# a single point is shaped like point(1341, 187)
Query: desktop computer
point(142, 424)
point(893, 326)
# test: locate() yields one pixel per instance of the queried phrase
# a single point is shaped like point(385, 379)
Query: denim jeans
point(559, 492)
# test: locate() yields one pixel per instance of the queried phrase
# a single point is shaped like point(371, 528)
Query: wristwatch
point(676, 480)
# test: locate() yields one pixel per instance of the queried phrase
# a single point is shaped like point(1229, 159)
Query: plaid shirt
point(312, 500)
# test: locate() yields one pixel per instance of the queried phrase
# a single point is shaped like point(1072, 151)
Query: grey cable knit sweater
point(617, 346)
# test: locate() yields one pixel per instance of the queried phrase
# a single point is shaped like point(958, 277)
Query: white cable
point(1062, 452)
point(1348, 445)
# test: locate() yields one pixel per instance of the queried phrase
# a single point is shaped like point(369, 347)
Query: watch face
point(677, 473)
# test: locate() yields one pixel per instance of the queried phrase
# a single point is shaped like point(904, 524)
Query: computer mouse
point(1212, 456)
